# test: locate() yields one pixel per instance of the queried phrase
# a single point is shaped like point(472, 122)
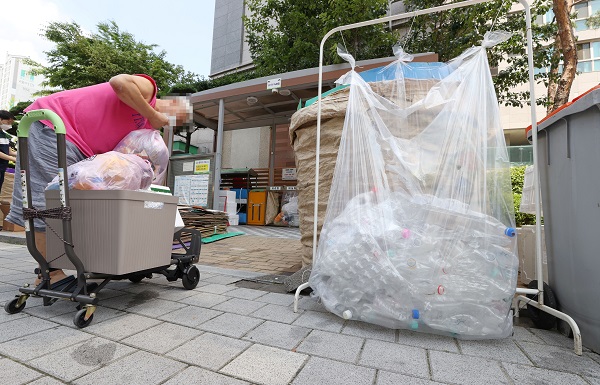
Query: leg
point(40, 242)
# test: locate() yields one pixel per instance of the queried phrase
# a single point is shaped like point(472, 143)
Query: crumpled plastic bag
point(109, 171)
point(288, 216)
point(148, 144)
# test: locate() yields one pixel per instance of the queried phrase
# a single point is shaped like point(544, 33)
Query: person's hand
point(159, 120)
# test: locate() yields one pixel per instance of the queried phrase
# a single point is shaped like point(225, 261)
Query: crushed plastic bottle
point(432, 264)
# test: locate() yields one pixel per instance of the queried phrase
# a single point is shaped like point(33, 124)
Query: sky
point(182, 28)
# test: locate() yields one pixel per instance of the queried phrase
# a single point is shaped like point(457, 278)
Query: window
point(583, 11)
point(545, 19)
point(588, 56)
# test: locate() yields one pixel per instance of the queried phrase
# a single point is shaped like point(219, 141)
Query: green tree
point(451, 32)
point(17, 109)
point(80, 60)
point(593, 21)
point(284, 35)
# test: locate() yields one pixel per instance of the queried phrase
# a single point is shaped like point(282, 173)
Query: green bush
point(517, 175)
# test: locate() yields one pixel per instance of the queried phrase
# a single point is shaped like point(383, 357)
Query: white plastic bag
point(178, 222)
point(418, 230)
point(149, 144)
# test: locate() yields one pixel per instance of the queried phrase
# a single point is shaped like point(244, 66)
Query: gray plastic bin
point(569, 165)
point(115, 232)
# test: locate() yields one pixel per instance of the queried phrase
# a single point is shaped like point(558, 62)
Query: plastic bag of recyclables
point(148, 143)
point(109, 171)
point(418, 230)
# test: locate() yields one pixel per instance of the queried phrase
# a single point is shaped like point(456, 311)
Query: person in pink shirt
point(96, 118)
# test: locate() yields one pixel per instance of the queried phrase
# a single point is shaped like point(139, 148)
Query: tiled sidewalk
point(156, 332)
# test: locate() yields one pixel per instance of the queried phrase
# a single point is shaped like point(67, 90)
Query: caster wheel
point(136, 278)
point(12, 308)
point(191, 278)
point(541, 319)
point(79, 319)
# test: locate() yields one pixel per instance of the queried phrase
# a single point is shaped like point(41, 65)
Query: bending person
point(96, 118)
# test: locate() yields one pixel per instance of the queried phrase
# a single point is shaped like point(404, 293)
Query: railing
point(520, 155)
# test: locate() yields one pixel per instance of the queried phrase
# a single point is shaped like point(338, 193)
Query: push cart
point(179, 265)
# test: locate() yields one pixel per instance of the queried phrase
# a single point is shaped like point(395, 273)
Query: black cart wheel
point(79, 319)
point(136, 278)
point(541, 319)
point(12, 308)
point(191, 278)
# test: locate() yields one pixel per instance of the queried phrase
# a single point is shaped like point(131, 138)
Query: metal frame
point(520, 298)
point(87, 300)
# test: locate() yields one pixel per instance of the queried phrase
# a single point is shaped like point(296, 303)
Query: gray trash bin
point(569, 164)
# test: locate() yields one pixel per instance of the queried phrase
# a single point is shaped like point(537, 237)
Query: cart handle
point(34, 116)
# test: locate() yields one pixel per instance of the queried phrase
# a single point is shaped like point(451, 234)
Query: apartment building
point(17, 83)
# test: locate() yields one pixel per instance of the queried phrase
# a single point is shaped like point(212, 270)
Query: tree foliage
point(80, 60)
point(593, 21)
point(449, 33)
point(17, 109)
point(285, 35)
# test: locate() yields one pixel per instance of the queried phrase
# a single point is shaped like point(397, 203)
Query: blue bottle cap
point(510, 231)
point(415, 313)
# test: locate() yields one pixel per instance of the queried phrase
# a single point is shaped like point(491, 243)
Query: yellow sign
point(202, 166)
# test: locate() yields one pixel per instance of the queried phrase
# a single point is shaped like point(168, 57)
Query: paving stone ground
point(230, 330)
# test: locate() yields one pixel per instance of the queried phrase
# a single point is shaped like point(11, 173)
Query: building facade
point(17, 83)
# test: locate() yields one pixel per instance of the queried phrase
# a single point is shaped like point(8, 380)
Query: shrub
point(517, 175)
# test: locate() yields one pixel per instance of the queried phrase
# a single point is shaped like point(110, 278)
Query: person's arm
point(7, 157)
point(136, 92)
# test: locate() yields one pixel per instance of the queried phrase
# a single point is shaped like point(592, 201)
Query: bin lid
point(581, 103)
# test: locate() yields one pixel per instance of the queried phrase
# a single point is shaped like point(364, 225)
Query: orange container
point(257, 206)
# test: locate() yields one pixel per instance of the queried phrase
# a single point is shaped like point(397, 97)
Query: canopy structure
point(251, 104)
point(254, 103)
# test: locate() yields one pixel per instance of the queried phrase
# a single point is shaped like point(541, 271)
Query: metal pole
point(217, 166)
point(272, 157)
point(539, 273)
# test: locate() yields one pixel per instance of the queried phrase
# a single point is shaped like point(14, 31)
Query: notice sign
point(273, 83)
point(202, 166)
point(188, 167)
point(192, 190)
point(288, 174)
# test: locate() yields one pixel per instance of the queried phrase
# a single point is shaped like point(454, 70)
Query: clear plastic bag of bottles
point(419, 230)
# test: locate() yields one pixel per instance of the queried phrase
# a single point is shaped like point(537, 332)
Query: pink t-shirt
point(95, 118)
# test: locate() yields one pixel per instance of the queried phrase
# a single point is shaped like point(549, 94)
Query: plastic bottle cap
point(415, 313)
point(347, 314)
point(510, 231)
point(441, 289)
point(414, 325)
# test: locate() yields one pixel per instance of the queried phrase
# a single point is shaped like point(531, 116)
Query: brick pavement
point(254, 253)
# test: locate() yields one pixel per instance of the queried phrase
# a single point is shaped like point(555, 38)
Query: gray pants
point(43, 167)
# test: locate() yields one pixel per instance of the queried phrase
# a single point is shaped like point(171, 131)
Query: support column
point(218, 155)
point(272, 157)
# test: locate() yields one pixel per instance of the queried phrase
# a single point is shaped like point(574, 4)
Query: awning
point(250, 104)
